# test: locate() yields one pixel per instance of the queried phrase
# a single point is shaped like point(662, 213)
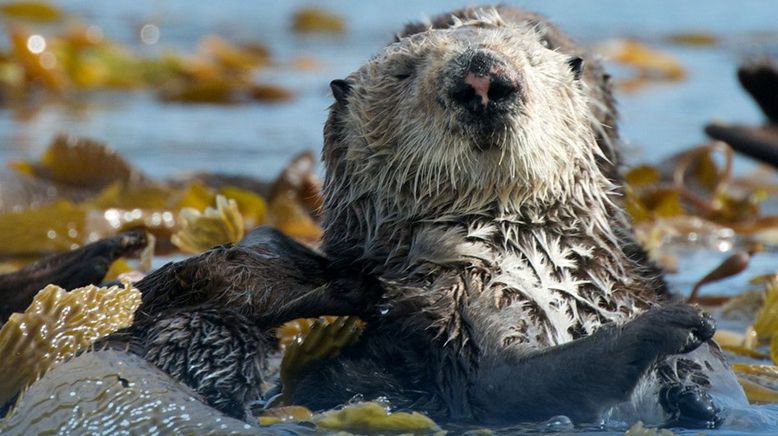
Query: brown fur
point(505, 254)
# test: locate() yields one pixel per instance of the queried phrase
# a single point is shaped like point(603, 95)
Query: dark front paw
point(674, 329)
point(689, 407)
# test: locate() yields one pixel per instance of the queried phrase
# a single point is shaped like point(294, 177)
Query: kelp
point(766, 322)
point(362, 418)
point(281, 414)
point(756, 393)
point(317, 20)
point(81, 163)
point(81, 57)
point(55, 326)
point(31, 10)
point(691, 198)
point(373, 417)
point(322, 340)
point(295, 199)
point(201, 231)
point(104, 194)
point(693, 39)
point(732, 265)
point(650, 64)
point(639, 429)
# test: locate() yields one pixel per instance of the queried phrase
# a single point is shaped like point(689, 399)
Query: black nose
point(485, 82)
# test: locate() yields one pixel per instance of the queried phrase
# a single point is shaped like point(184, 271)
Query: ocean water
point(168, 139)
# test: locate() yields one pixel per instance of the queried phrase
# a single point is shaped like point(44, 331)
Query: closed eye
point(402, 76)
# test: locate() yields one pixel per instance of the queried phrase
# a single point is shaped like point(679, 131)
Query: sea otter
point(472, 218)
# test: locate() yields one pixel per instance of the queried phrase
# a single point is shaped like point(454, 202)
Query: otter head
point(479, 118)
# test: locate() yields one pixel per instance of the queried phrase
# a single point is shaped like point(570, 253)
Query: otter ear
point(576, 66)
point(340, 89)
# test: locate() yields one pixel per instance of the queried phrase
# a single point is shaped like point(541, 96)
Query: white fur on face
point(407, 149)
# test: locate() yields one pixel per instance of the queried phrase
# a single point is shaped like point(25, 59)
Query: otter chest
point(530, 288)
point(545, 289)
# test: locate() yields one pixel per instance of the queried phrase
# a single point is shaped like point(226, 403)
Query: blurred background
point(184, 101)
point(169, 134)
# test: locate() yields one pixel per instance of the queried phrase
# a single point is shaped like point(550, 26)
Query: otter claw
point(689, 407)
point(700, 334)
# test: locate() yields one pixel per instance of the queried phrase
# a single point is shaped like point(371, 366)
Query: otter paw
point(689, 407)
point(675, 329)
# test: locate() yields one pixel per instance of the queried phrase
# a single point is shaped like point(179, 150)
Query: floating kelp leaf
point(756, 393)
point(768, 373)
point(298, 329)
point(373, 417)
point(305, 63)
point(774, 349)
point(55, 326)
point(732, 265)
point(30, 52)
point(284, 414)
point(212, 91)
point(311, 19)
point(52, 228)
point(766, 322)
point(324, 340)
point(696, 39)
point(81, 162)
point(638, 429)
point(634, 207)
point(299, 178)
point(642, 175)
point(760, 382)
point(201, 231)
point(118, 267)
point(289, 216)
point(270, 93)
point(252, 206)
point(196, 196)
point(230, 55)
point(31, 10)
point(660, 203)
point(745, 352)
point(650, 64)
point(129, 196)
point(295, 199)
point(728, 338)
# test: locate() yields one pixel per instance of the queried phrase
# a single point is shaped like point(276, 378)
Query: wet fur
point(510, 277)
point(499, 285)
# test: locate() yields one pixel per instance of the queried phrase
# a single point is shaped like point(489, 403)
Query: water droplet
point(149, 34)
point(36, 44)
point(559, 423)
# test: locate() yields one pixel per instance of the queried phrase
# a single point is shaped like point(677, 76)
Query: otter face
point(461, 120)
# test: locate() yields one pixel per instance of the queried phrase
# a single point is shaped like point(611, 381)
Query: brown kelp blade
point(324, 339)
point(55, 326)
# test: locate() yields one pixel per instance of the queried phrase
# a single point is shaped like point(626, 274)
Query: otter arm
point(267, 276)
point(73, 269)
point(582, 378)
